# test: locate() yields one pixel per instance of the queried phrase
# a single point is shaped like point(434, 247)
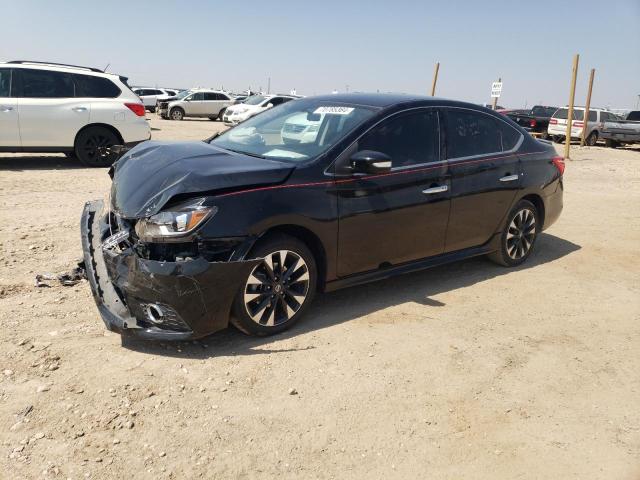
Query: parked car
point(253, 105)
point(248, 227)
point(196, 103)
point(535, 120)
point(151, 96)
point(301, 128)
point(81, 111)
point(616, 132)
point(558, 124)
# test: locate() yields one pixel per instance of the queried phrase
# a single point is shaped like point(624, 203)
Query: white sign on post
point(496, 89)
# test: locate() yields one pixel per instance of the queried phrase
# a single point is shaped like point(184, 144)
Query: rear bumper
point(195, 295)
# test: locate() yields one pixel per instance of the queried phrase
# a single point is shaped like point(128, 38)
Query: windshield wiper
point(244, 153)
point(209, 140)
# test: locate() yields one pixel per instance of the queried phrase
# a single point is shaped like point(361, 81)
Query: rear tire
point(92, 147)
point(592, 139)
point(519, 235)
point(278, 290)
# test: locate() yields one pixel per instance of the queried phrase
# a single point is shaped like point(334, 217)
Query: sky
point(320, 46)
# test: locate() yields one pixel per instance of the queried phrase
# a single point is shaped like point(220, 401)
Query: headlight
point(175, 223)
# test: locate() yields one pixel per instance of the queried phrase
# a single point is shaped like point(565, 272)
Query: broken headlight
point(174, 223)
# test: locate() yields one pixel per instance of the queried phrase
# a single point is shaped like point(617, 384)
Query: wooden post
point(435, 80)
point(572, 96)
point(586, 107)
point(495, 99)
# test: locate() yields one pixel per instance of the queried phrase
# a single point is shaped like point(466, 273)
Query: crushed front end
point(176, 291)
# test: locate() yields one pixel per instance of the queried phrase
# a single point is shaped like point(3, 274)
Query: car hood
point(149, 175)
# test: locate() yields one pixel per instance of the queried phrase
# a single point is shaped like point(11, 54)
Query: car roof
point(57, 68)
point(386, 100)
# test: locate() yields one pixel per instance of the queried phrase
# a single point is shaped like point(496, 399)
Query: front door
point(9, 127)
point(399, 216)
point(485, 175)
point(195, 105)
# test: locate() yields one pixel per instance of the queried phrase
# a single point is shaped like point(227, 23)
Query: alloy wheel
point(97, 148)
point(521, 233)
point(276, 288)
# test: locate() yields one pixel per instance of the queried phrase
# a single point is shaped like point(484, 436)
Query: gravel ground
point(464, 371)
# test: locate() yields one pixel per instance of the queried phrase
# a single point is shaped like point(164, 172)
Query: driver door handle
point(5, 108)
point(438, 189)
point(509, 178)
point(79, 109)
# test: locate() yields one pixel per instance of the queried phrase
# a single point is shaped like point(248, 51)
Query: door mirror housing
point(269, 105)
point(370, 161)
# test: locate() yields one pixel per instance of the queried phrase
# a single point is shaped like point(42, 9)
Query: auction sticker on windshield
point(335, 110)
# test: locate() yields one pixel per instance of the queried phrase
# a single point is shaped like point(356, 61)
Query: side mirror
point(369, 161)
point(269, 105)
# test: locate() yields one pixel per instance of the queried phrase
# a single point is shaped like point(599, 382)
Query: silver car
point(196, 103)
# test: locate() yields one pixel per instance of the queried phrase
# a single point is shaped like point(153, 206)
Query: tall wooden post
point(435, 79)
point(572, 96)
point(495, 99)
point(586, 107)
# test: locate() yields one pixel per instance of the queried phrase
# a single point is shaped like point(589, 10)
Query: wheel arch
point(311, 240)
point(538, 203)
point(111, 128)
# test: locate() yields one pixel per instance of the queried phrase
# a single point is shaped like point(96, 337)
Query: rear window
point(542, 111)
point(96, 87)
point(46, 84)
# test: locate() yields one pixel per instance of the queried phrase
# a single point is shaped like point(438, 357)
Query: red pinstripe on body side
point(380, 175)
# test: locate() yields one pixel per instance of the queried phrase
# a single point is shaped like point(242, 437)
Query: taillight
point(553, 121)
point(558, 162)
point(578, 124)
point(136, 108)
point(533, 123)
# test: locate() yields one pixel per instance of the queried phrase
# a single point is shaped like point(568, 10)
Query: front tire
point(611, 143)
point(519, 235)
point(278, 291)
point(221, 114)
point(93, 147)
point(176, 114)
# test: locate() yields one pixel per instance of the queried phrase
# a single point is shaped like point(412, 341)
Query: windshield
point(296, 131)
point(255, 100)
point(183, 94)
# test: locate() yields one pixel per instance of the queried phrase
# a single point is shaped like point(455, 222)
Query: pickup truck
point(535, 120)
point(616, 132)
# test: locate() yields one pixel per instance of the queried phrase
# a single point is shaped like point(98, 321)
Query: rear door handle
point(438, 189)
point(509, 178)
point(79, 109)
point(5, 108)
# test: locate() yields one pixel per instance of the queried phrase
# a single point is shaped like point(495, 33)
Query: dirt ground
point(464, 371)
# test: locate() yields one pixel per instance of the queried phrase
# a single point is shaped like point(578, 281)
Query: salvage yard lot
point(464, 371)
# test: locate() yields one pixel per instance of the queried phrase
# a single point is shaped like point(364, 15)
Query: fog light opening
point(155, 313)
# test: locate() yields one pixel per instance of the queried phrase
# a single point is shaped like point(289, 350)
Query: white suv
point(252, 106)
point(47, 107)
point(151, 96)
point(557, 128)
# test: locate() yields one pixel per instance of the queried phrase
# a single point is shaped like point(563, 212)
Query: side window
point(46, 84)
point(604, 116)
point(5, 82)
point(223, 97)
point(275, 101)
point(210, 96)
point(471, 133)
point(408, 139)
point(95, 87)
point(593, 116)
point(509, 136)
point(286, 99)
point(197, 97)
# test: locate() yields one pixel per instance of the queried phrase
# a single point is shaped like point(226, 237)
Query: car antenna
point(105, 68)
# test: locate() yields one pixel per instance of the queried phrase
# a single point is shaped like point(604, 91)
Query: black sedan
point(314, 195)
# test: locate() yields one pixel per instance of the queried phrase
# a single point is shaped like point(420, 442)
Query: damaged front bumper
point(153, 299)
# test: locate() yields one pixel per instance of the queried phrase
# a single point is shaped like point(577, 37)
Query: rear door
point(485, 175)
point(398, 216)
point(212, 103)
point(50, 115)
point(9, 127)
